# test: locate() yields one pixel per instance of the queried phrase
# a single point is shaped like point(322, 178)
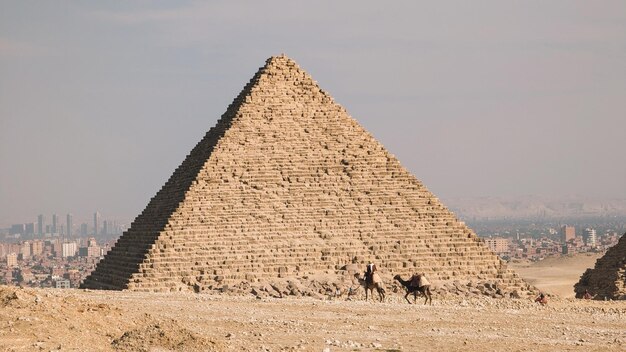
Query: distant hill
point(481, 208)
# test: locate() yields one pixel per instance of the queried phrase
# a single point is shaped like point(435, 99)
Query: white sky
point(101, 101)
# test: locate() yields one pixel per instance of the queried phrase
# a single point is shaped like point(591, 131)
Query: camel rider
point(369, 272)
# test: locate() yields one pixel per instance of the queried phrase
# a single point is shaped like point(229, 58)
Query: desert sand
point(85, 320)
point(556, 275)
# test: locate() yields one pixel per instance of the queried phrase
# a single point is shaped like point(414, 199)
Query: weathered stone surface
point(287, 184)
point(607, 280)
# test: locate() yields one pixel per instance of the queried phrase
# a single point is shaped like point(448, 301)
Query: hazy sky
point(101, 101)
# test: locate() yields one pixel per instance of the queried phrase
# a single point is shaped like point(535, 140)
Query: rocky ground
point(79, 320)
point(463, 317)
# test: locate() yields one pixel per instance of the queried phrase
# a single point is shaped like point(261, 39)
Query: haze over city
point(100, 102)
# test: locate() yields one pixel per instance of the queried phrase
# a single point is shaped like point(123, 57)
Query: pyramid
point(287, 184)
point(607, 280)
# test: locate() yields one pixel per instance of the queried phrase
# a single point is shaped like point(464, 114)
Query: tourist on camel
point(370, 269)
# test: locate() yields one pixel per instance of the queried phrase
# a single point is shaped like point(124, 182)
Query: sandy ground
point(556, 275)
point(78, 320)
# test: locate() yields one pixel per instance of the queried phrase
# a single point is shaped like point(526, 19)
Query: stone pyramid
point(287, 184)
point(607, 280)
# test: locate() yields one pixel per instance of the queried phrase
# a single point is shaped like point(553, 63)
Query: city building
point(92, 250)
point(96, 221)
point(567, 233)
point(56, 247)
point(69, 225)
point(61, 283)
point(68, 249)
point(498, 244)
point(30, 228)
point(36, 247)
point(25, 275)
point(25, 252)
point(590, 238)
point(91, 242)
point(17, 229)
point(41, 226)
point(83, 229)
point(55, 224)
point(11, 260)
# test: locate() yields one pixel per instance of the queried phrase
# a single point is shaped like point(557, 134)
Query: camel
point(370, 285)
point(425, 290)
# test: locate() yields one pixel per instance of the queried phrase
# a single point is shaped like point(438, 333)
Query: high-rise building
point(69, 225)
point(56, 247)
point(83, 229)
point(30, 228)
point(25, 252)
point(590, 238)
point(17, 229)
point(36, 247)
point(567, 233)
point(55, 224)
point(68, 249)
point(40, 225)
point(96, 221)
point(105, 227)
point(11, 260)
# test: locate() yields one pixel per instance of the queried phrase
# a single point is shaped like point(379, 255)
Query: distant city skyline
point(97, 225)
point(100, 102)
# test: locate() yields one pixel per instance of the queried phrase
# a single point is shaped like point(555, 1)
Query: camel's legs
point(428, 296)
point(407, 297)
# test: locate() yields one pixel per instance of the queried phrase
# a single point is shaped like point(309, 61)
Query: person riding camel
point(371, 274)
point(370, 269)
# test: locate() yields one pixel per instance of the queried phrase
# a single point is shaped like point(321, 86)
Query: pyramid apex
point(280, 60)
